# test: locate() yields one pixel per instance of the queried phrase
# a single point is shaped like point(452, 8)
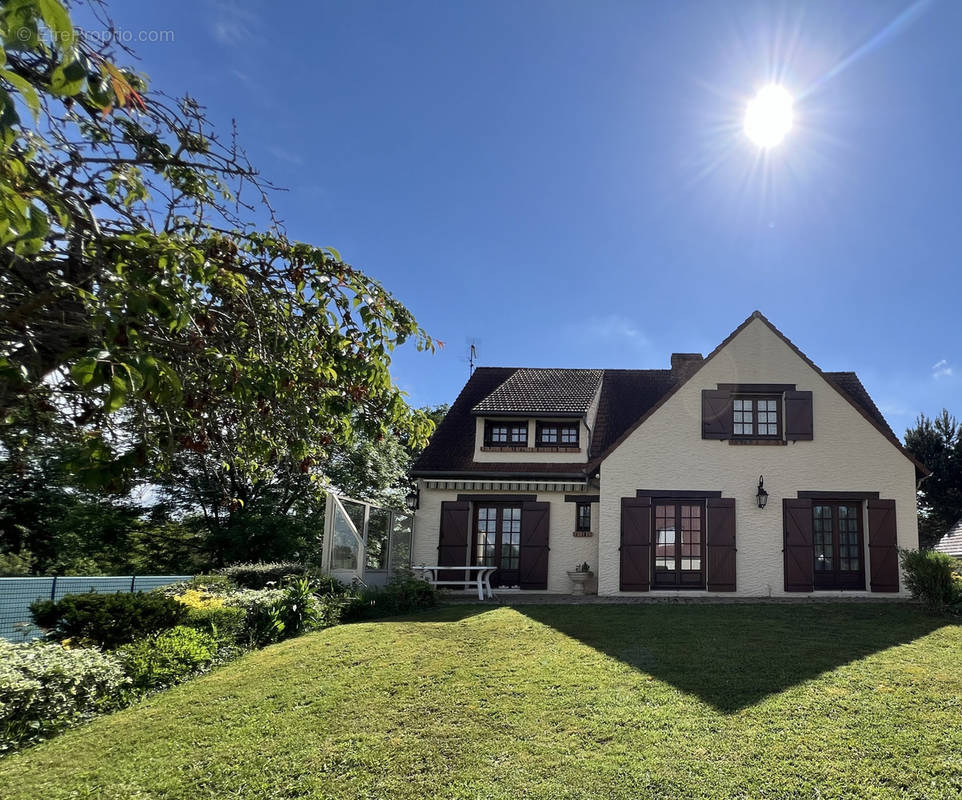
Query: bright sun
point(769, 116)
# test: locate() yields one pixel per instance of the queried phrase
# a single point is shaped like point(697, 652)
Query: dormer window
point(505, 434)
point(557, 434)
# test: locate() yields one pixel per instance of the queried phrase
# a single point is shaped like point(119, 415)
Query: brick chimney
point(683, 364)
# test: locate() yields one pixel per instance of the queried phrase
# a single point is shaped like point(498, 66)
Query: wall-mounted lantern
point(762, 495)
point(413, 499)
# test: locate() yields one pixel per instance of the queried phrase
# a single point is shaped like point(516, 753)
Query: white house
point(749, 471)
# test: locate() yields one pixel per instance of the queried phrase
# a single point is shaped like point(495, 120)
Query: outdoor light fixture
point(762, 495)
point(413, 499)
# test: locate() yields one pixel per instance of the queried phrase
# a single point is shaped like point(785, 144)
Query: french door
point(837, 536)
point(497, 541)
point(679, 545)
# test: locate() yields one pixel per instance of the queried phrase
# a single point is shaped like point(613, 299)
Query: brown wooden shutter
point(721, 544)
point(883, 552)
point(635, 544)
point(534, 545)
point(798, 416)
point(716, 414)
point(799, 547)
point(453, 538)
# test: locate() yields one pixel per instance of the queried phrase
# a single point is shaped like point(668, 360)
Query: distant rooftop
point(951, 543)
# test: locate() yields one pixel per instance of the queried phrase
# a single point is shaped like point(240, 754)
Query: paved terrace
point(503, 598)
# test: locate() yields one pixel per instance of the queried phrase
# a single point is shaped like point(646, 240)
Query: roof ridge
point(546, 369)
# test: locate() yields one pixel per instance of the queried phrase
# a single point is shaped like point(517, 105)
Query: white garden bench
point(474, 577)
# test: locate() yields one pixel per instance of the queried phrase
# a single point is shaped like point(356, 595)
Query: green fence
point(16, 595)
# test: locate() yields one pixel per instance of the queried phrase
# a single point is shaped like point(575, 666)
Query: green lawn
point(639, 701)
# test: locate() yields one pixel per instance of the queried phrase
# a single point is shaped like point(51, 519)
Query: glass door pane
point(377, 538)
point(400, 544)
point(487, 536)
point(511, 538)
point(665, 537)
point(849, 553)
point(824, 538)
point(691, 538)
point(346, 546)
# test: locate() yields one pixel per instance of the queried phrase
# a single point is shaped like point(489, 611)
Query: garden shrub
point(261, 575)
point(168, 657)
point(225, 623)
point(929, 576)
point(330, 609)
point(258, 605)
point(402, 595)
point(324, 585)
point(45, 687)
point(211, 584)
point(272, 615)
point(13, 565)
point(295, 611)
point(107, 620)
point(210, 613)
point(199, 598)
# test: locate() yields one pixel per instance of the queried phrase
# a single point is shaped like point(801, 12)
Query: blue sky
point(568, 184)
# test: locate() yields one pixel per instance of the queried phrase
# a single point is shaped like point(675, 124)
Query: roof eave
point(543, 414)
point(444, 474)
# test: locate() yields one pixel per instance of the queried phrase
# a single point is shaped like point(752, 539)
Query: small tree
point(142, 306)
point(937, 444)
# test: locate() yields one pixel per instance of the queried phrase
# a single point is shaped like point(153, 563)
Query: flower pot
point(579, 579)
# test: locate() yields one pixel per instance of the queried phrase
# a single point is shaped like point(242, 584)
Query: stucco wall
point(566, 551)
point(667, 452)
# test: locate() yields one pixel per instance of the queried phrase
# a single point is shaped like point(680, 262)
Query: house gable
point(665, 454)
point(757, 364)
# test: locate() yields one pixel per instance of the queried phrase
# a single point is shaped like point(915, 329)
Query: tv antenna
point(472, 356)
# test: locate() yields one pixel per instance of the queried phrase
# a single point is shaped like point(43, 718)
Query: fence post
point(133, 579)
point(53, 589)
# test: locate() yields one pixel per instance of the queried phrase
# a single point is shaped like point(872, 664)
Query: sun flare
point(769, 115)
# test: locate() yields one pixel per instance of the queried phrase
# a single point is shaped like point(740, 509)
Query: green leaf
point(83, 371)
point(56, 18)
point(23, 86)
point(118, 394)
point(69, 79)
point(8, 111)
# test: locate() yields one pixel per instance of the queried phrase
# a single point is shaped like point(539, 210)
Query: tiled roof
point(951, 543)
point(452, 445)
point(543, 391)
point(627, 395)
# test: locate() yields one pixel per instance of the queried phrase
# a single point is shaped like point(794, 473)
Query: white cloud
point(615, 327)
point(285, 155)
point(232, 24)
point(941, 369)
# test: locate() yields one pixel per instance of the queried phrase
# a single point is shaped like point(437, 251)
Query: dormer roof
point(552, 392)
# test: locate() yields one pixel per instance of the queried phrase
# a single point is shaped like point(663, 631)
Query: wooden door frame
point(848, 580)
point(678, 502)
point(500, 506)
